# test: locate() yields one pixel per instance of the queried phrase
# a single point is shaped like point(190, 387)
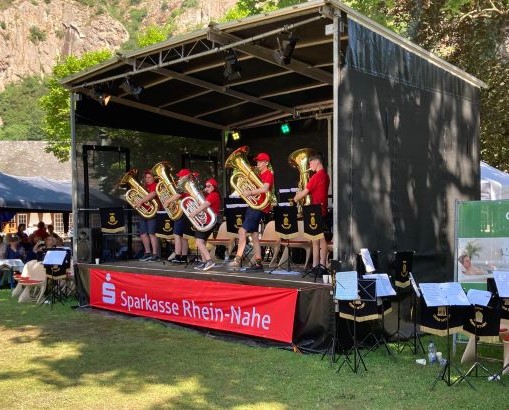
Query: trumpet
point(166, 188)
point(245, 179)
point(136, 192)
point(206, 219)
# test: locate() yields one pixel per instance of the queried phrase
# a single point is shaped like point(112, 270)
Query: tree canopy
point(56, 103)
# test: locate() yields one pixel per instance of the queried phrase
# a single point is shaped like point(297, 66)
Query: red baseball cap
point(183, 172)
point(212, 182)
point(262, 156)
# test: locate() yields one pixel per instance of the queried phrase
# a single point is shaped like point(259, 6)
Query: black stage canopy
point(401, 126)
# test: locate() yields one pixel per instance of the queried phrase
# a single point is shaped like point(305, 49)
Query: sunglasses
point(208, 186)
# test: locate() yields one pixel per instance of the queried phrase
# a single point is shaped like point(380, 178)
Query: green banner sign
point(483, 219)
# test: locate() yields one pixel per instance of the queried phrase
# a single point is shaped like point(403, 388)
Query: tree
point(471, 35)
point(244, 8)
point(20, 113)
point(153, 34)
point(56, 104)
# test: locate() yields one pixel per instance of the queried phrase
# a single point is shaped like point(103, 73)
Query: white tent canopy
point(494, 183)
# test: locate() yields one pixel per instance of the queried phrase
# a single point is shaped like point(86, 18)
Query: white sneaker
point(209, 265)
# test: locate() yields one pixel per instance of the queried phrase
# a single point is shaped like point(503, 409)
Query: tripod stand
point(402, 340)
point(357, 355)
point(415, 336)
point(355, 292)
point(445, 373)
point(478, 324)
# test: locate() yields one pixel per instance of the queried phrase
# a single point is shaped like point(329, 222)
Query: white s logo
point(109, 295)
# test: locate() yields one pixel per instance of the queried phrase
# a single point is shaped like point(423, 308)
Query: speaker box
point(89, 244)
point(84, 245)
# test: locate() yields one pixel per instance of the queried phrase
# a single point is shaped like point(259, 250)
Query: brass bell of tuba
point(166, 188)
point(245, 179)
point(206, 219)
point(136, 192)
point(299, 159)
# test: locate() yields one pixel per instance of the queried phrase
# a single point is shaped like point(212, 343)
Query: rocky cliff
point(34, 33)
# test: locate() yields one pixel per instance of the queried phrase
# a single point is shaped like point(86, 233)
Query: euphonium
point(206, 219)
point(137, 192)
point(245, 179)
point(300, 159)
point(166, 188)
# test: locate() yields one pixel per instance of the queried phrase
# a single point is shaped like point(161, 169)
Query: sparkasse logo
point(108, 291)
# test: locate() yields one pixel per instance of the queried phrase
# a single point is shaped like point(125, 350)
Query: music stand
point(445, 295)
point(416, 294)
point(351, 289)
point(403, 261)
point(56, 262)
point(286, 227)
point(313, 227)
point(383, 288)
point(331, 347)
point(485, 321)
point(235, 214)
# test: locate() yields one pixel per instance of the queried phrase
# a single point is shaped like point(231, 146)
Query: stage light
point(235, 135)
point(231, 66)
point(102, 97)
point(285, 128)
point(283, 55)
point(130, 87)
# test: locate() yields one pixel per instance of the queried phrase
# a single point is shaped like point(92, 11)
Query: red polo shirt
point(318, 187)
point(267, 177)
point(214, 199)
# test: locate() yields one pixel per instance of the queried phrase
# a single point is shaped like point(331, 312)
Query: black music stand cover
point(235, 218)
point(483, 320)
point(285, 219)
point(164, 226)
point(313, 224)
point(112, 220)
point(403, 264)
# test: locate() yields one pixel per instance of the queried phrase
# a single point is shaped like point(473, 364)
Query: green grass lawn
point(82, 359)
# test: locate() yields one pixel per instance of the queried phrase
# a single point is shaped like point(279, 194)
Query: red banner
point(254, 310)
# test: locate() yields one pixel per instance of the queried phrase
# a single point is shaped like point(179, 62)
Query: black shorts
point(203, 235)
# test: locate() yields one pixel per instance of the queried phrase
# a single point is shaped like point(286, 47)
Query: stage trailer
point(400, 126)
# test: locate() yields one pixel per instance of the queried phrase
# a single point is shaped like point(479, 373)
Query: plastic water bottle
point(226, 256)
point(432, 352)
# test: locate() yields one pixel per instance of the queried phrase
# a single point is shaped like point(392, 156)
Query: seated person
point(42, 246)
point(3, 248)
point(41, 230)
point(14, 250)
point(24, 240)
point(51, 232)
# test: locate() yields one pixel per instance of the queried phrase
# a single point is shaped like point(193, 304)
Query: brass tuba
point(136, 192)
point(166, 188)
point(245, 179)
point(206, 219)
point(300, 159)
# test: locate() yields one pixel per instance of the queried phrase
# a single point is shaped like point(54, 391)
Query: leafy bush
point(36, 35)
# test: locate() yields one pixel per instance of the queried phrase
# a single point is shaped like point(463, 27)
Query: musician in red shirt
point(318, 188)
point(212, 201)
point(253, 217)
point(148, 227)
